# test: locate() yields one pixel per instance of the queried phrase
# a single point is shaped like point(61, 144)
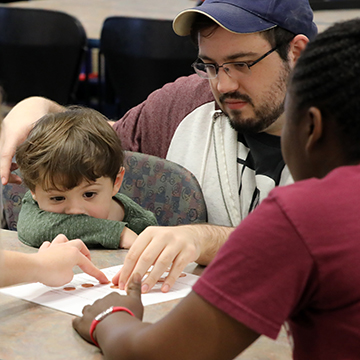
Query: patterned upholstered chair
point(158, 185)
point(12, 195)
point(165, 188)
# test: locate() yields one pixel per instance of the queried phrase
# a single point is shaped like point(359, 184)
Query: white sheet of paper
point(72, 302)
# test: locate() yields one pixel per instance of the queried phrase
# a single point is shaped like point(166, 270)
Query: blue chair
point(167, 189)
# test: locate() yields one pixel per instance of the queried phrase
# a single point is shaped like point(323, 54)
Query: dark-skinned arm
point(195, 329)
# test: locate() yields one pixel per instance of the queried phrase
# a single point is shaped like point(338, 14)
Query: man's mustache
point(235, 96)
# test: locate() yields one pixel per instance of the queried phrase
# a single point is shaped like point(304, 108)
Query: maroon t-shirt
point(296, 258)
point(149, 127)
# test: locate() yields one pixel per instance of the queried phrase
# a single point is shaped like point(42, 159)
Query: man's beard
point(265, 114)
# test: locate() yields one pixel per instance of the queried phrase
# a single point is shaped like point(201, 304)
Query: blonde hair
point(66, 148)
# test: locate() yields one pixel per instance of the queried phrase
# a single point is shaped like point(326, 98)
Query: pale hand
point(163, 247)
point(15, 129)
point(56, 261)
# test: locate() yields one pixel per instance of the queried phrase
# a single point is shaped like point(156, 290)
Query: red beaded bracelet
point(103, 315)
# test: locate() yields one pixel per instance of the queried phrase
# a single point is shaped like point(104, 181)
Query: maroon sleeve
point(149, 127)
point(261, 272)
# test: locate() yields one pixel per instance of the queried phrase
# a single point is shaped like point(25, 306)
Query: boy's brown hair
point(66, 148)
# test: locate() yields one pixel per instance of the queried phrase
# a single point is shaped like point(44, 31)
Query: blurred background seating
point(40, 54)
point(140, 56)
point(9, 1)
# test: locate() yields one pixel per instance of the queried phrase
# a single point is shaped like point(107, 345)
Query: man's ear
point(297, 45)
point(118, 181)
point(315, 128)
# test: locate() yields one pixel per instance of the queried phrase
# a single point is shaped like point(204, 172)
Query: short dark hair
point(327, 76)
point(276, 36)
point(66, 148)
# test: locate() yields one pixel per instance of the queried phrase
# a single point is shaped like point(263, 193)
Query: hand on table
point(57, 259)
point(162, 247)
point(132, 302)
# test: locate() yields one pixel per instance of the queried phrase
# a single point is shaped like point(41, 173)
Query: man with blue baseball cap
point(222, 123)
point(230, 140)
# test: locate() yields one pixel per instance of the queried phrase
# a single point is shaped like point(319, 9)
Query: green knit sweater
point(36, 226)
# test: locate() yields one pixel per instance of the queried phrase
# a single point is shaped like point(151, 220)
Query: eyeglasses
point(233, 69)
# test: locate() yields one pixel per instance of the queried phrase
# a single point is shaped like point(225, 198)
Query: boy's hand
point(57, 259)
point(127, 238)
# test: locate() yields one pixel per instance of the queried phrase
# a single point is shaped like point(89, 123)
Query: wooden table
point(92, 13)
point(34, 332)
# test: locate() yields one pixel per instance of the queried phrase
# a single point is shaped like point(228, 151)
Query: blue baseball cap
point(250, 16)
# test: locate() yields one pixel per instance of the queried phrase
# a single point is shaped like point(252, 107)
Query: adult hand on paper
point(56, 261)
point(132, 302)
point(162, 247)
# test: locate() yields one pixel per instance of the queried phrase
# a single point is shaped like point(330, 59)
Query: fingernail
point(165, 288)
point(144, 288)
point(121, 286)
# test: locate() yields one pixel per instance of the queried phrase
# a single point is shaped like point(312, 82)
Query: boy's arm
point(36, 226)
point(127, 238)
point(137, 218)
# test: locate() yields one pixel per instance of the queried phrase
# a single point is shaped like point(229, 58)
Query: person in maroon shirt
point(295, 259)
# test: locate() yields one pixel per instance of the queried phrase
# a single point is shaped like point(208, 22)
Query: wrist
point(127, 238)
point(32, 262)
point(102, 316)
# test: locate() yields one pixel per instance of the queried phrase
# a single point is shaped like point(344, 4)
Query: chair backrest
point(158, 185)
point(41, 52)
point(167, 189)
point(12, 195)
point(334, 4)
point(142, 55)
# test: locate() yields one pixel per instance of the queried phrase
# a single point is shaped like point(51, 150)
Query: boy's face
point(92, 199)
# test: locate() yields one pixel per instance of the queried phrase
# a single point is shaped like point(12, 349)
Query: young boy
point(52, 265)
point(72, 164)
point(295, 259)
